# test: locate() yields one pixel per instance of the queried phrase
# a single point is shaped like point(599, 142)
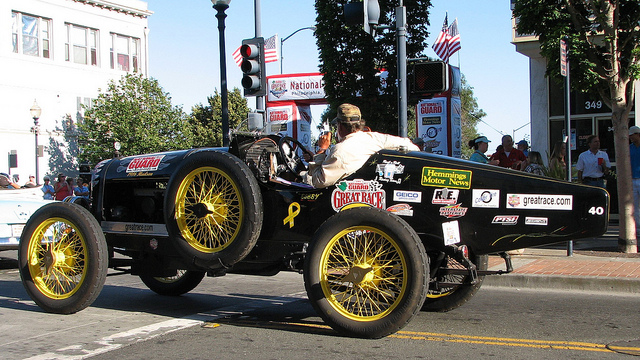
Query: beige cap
point(347, 113)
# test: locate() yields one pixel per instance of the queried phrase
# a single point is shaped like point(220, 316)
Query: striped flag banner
point(454, 38)
point(440, 46)
point(270, 51)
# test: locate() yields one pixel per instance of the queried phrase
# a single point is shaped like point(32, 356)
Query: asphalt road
point(241, 317)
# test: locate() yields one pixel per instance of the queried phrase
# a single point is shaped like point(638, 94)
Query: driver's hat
point(347, 114)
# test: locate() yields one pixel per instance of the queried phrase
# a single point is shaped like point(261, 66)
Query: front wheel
point(366, 272)
point(183, 282)
point(63, 258)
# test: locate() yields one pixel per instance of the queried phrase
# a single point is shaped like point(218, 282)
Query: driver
point(353, 149)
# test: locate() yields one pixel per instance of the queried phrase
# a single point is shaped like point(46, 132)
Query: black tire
point(182, 283)
point(446, 299)
point(366, 272)
point(213, 209)
point(63, 258)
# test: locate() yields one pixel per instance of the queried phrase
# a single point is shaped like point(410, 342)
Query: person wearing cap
point(509, 156)
point(353, 149)
point(481, 145)
point(523, 146)
point(634, 152)
point(593, 164)
point(47, 189)
point(31, 183)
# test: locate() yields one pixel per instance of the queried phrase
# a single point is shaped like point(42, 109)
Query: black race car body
point(404, 221)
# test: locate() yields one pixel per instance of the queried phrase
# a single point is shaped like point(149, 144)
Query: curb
point(566, 283)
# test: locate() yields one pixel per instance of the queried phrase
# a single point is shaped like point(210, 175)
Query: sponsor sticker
point(543, 221)
point(451, 232)
point(540, 202)
point(358, 192)
point(505, 219)
point(445, 196)
point(485, 198)
point(145, 163)
point(407, 196)
point(310, 197)
point(453, 211)
point(401, 209)
point(388, 169)
point(449, 178)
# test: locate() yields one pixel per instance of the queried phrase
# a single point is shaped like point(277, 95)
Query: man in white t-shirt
point(593, 164)
point(353, 149)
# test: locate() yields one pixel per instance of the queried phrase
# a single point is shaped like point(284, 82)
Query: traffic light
point(254, 80)
point(429, 78)
point(365, 13)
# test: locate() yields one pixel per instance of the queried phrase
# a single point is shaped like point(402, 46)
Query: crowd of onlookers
point(58, 190)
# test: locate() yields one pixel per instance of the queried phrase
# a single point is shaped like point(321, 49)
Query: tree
point(604, 52)
point(206, 120)
point(137, 113)
point(471, 115)
point(351, 59)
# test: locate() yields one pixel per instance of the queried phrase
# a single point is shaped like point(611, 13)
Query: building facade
point(59, 54)
point(547, 107)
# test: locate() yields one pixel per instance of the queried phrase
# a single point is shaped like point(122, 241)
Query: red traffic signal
point(254, 80)
point(429, 78)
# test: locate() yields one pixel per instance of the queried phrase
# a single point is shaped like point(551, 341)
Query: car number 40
point(596, 210)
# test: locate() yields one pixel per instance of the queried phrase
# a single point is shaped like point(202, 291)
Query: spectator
point(593, 164)
point(353, 149)
point(82, 189)
point(557, 164)
point(535, 164)
point(47, 189)
point(523, 146)
point(31, 183)
point(509, 156)
point(634, 151)
point(62, 187)
point(481, 145)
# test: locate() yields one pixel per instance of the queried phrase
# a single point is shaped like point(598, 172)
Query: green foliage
point(206, 120)
point(138, 114)
point(471, 115)
point(351, 58)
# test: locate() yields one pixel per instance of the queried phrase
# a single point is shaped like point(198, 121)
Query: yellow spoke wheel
point(366, 272)
point(63, 257)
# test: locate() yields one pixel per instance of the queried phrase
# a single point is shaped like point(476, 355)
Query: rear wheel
point(446, 298)
point(183, 282)
point(213, 209)
point(63, 258)
point(366, 272)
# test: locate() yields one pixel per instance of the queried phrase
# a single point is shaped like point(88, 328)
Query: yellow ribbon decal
point(294, 210)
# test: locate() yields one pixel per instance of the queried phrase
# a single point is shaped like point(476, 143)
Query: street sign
point(563, 58)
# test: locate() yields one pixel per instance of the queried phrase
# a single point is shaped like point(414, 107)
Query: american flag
point(270, 51)
point(448, 41)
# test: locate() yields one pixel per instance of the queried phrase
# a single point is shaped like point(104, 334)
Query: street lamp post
point(35, 114)
point(221, 6)
point(285, 39)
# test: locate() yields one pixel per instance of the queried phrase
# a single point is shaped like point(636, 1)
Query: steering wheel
point(287, 148)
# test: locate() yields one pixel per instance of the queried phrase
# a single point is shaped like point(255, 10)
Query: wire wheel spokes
point(448, 278)
point(208, 209)
point(362, 272)
point(57, 258)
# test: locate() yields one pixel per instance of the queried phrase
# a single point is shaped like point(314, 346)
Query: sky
point(184, 52)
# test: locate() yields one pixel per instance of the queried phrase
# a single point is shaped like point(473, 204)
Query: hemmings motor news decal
point(145, 163)
point(449, 178)
point(486, 198)
point(358, 192)
point(540, 201)
point(445, 196)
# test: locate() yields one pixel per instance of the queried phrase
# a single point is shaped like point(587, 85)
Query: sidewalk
point(595, 266)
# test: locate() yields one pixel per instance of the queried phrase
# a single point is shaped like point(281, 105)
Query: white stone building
point(59, 53)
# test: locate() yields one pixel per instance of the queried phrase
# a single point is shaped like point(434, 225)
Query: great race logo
point(540, 201)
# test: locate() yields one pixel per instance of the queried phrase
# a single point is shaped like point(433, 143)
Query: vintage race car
point(408, 231)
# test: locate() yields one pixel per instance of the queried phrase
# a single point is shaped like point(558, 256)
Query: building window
point(125, 52)
point(82, 45)
point(31, 35)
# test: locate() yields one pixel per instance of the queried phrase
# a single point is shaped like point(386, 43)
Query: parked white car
point(16, 206)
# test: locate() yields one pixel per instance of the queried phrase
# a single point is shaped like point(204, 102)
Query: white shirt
point(588, 163)
point(349, 155)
